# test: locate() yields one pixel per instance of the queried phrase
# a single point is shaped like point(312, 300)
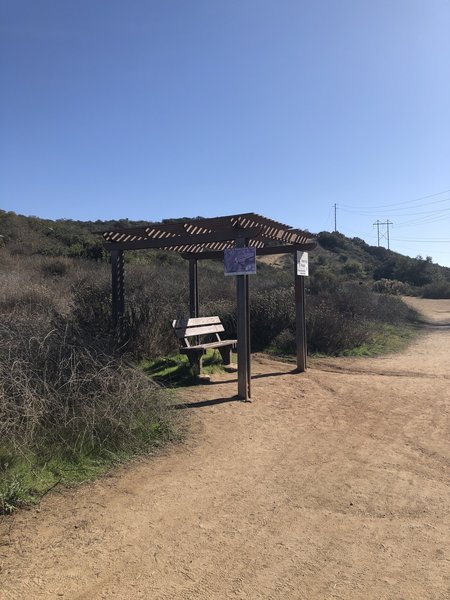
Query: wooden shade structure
point(198, 239)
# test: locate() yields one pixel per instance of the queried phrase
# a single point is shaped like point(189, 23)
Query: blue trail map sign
point(240, 261)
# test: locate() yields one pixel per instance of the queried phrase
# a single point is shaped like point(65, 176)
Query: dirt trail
point(331, 484)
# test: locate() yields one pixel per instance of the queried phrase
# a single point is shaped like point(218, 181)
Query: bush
point(437, 290)
point(332, 241)
point(17, 297)
point(394, 311)
point(330, 330)
point(413, 271)
point(353, 269)
point(66, 391)
point(153, 299)
point(271, 312)
point(322, 280)
point(55, 267)
point(392, 286)
point(57, 394)
point(285, 343)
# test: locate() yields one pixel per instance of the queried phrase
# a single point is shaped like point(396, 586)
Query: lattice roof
point(199, 236)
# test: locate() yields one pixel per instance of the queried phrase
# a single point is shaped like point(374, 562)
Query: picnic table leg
point(225, 353)
point(195, 360)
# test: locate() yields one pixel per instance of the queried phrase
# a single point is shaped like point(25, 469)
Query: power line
point(423, 241)
point(366, 234)
point(424, 221)
point(364, 212)
point(402, 203)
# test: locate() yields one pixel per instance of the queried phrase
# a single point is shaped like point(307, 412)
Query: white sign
point(302, 264)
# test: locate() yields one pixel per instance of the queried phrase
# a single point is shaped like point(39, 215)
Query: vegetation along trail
point(331, 484)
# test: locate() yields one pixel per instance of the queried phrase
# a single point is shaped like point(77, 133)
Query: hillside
point(353, 257)
point(337, 256)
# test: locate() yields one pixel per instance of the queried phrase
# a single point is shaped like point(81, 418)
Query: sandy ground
point(436, 312)
point(331, 484)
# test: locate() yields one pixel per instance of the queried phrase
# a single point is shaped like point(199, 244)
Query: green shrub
point(11, 494)
point(332, 240)
point(322, 280)
point(271, 312)
point(285, 343)
point(353, 269)
point(437, 290)
point(392, 286)
point(330, 330)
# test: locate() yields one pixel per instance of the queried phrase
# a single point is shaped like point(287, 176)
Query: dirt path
point(331, 484)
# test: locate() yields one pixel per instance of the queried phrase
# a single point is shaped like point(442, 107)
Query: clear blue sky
point(150, 109)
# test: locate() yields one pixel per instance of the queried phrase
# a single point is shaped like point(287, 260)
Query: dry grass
point(63, 390)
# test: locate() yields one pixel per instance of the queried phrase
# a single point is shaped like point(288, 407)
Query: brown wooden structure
point(198, 239)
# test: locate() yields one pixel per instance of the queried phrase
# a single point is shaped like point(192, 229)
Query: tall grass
point(69, 397)
point(56, 393)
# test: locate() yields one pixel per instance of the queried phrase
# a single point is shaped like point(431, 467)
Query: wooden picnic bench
point(198, 328)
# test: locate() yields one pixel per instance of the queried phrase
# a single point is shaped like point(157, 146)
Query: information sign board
point(240, 261)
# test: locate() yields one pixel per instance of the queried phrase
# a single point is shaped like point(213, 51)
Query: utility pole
point(386, 224)
point(387, 228)
point(335, 217)
point(378, 231)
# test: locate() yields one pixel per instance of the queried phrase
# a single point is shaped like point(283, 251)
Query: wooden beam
point(193, 288)
point(285, 249)
point(184, 240)
point(300, 318)
point(269, 250)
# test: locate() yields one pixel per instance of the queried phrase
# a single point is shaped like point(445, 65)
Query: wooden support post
point(118, 292)
point(300, 317)
point(193, 288)
point(243, 349)
point(249, 355)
